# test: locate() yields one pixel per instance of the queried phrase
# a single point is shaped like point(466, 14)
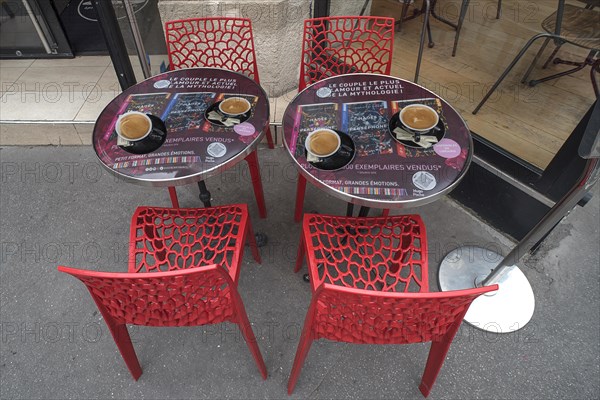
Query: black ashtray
point(340, 158)
point(152, 142)
point(215, 108)
point(438, 131)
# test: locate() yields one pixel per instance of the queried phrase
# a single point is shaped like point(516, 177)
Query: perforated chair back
point(339, 45)
point(190, 297)
point(386, 254)
point(165, 239)
point(370, 317)
point(212, 42)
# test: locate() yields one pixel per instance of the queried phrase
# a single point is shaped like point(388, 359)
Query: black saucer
point(215, 107)
point(339, 159)
point(153, 141)
point(438, 131)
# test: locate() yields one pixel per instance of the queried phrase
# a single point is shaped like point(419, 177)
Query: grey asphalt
point(59, 207)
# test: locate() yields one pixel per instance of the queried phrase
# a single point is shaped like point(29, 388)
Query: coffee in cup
point(419, 117)
point(133, 126)
point(234, 106)
point(322, 142)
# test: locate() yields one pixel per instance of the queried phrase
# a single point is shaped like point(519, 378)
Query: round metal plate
point(507, 310)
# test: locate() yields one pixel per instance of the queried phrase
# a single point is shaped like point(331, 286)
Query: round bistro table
point(195, 148)
point(384, 173)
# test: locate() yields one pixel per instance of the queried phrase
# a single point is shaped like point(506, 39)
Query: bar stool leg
point(461, 19)
point(593, 71)
point(173, 195)
point(535, 60)
point(556, 49)
point(252, 161)
point(431, 43)
point(405, 5)
point(300, 191)
point(422, 40)
point(510, 67)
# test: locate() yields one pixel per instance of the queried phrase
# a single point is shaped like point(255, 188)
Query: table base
point(205, 195)
point(261, 239)
point(364, 211)
point(506, 310)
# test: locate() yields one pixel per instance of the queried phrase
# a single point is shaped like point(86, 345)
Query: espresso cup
point(419, 117)
point(133, 126)
point(234, 106)
point(322, 142)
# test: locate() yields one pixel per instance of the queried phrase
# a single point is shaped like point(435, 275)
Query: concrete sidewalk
point(59, 206)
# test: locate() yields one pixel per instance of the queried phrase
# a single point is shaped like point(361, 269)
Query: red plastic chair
point(361, 270)
point(164, 239)
point(220, 43)
point(339, 45)
point(173, 277)
point(214, 42)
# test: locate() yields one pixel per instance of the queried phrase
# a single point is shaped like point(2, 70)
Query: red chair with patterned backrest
point(218, 42)
point(214, 42)
point(173, 278)
point(361, 271)
point(340, 45)
point(164, 239)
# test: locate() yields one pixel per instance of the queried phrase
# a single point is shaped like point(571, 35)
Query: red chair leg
point(252, 161)
point(122, 340)
point(306, 340)
point(300, 191)
point(300, 256)
point(437, 355)
point(270, 138)
point(248, 334)
point(173, 195)
point(386, 213)
point(252, 242)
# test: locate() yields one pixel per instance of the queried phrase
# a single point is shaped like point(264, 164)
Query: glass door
point(142, 30)
point(30, 28)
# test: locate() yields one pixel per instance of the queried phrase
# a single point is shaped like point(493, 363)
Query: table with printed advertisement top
point(187, 146)
point(385, 172)
point(195, 148)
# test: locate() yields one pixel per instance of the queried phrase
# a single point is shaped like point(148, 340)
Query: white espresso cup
point(133, 126)
point(410, 118)
point(234, 106)
point(322, 142)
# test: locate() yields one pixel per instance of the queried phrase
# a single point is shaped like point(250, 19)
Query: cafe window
point(530, 123)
